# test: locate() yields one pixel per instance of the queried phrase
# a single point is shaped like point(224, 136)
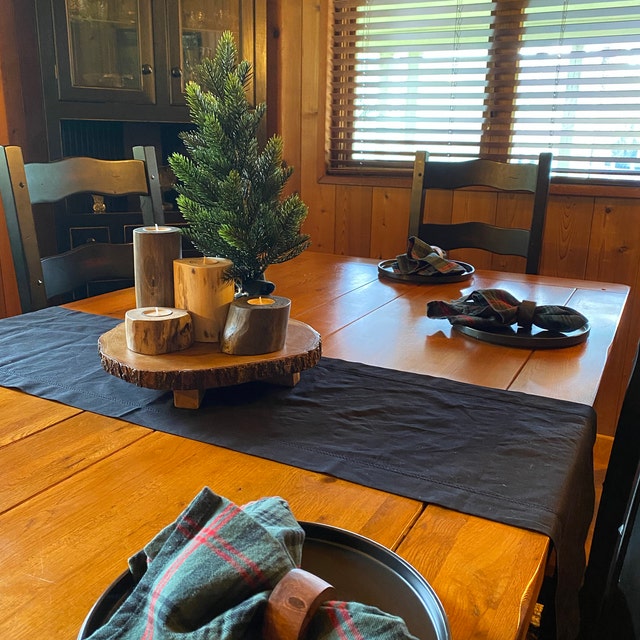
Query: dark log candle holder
point(256, 325)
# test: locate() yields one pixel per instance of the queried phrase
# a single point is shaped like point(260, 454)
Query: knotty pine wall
point(21, 118)
point(591, 232)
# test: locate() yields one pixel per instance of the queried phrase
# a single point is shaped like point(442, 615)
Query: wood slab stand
point(190, 372)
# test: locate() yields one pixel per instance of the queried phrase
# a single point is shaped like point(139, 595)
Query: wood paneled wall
point(13, 127)
point(592, 234)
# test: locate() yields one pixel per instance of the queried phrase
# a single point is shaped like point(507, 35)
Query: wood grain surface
point(203, 365)
point(85, 492)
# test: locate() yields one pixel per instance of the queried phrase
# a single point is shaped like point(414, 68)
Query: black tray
point(388, 269)
point(360, 569)
point(533, 339)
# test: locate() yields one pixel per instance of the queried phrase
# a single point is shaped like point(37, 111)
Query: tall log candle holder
point(154, 250)
point(200, 287)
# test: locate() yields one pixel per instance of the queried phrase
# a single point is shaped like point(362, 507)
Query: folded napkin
point(210, 573)
point(426, 260)
point(493, 308)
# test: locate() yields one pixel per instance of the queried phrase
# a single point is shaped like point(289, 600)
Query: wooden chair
point(532, 178)
point(43, 278)
point(611, 591)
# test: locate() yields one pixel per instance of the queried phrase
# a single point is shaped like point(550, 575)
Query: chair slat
point(53, 181)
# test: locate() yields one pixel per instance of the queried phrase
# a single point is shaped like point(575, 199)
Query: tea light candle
point(156, 330)
point(260, 301)
point(201, 287)
point(157, 312)
point(154, 250)
point(256, 325)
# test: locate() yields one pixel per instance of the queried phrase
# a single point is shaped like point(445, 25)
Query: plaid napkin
point(425, 260)
point(210, 573)
point(494, 308)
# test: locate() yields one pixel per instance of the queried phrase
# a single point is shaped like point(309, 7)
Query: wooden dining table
point(82, 492)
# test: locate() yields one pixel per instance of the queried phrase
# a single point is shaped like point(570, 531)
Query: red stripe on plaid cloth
point(343, 624)
point(204, 538)
point(224, 516)
point(187, 527)
point(247, 569)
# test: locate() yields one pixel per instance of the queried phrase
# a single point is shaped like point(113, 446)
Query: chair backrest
point(623, 585)
point(22, 185)
point(530, 177)
point(614, 559)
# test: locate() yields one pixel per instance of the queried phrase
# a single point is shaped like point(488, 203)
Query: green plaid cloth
point(209, 574)
point(494, 308)
point(424, 260)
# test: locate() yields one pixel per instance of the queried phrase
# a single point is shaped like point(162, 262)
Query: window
point(503, 79)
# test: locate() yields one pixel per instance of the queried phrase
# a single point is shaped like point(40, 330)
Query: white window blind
point(505, 79)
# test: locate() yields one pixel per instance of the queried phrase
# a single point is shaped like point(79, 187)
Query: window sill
point(559, 186)
point(596, 188)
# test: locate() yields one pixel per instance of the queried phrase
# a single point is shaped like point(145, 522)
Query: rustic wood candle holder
point(202, 288)
point(156, 330)
point(256, 325)
point(154, 250)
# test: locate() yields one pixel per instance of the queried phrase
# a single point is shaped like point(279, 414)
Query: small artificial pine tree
point(229, 191)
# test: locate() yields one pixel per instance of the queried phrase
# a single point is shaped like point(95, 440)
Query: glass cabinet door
point(108, 52)
point(201, 23)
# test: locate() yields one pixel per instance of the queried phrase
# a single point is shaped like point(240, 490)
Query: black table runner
point(505, 456)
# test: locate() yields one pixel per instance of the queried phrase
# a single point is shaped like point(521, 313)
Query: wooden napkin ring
point(292, 604)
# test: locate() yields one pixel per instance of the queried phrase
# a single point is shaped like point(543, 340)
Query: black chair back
point(501, 176)
point(43, 278)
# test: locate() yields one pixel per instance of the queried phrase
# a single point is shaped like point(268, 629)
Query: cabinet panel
point(200, 23)
point(104, 50)
point(140, 52)
point(113, 75)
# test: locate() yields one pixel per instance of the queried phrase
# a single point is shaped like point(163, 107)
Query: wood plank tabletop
point(64, 545)
point(83, 492)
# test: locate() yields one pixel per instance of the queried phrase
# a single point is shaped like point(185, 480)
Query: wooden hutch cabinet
point(113, 73)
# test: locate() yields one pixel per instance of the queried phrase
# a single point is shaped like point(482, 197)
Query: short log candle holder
point(256, 325)
point(201, 287)
point(156, 330)
point(154, 250)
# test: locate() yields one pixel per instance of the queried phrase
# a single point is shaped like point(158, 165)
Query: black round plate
point(360, 569)
point(389, 269)
point(534, 339)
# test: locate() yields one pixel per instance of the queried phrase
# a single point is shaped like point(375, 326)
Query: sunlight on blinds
point(419, 77)
point(579, 85)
